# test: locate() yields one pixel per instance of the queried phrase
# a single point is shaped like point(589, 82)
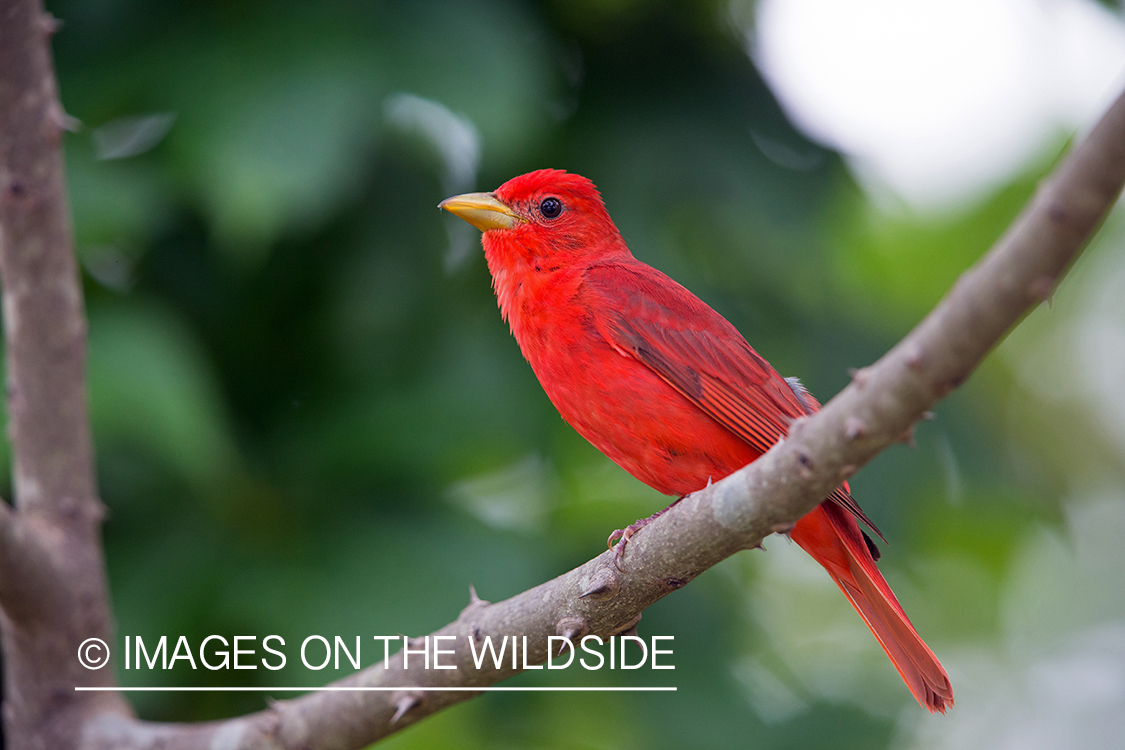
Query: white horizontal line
point(330, 689)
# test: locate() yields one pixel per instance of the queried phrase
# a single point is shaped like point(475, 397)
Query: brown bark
point(52, 578)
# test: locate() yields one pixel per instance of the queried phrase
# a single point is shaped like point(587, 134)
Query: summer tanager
point(660, 382)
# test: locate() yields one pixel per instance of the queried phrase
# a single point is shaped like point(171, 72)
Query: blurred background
point(310, 417)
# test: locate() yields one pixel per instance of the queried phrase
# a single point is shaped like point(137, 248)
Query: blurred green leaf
point(150, 383)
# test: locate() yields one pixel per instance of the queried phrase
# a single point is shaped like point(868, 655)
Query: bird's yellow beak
point(482, 210)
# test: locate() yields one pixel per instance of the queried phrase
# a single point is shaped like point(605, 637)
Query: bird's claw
point(624, 535)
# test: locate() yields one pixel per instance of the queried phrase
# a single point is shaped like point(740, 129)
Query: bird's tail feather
point(834, 540)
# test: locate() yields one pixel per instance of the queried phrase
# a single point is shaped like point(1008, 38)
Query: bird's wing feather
point(700, 354)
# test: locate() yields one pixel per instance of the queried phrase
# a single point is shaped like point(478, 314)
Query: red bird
point(660, 382)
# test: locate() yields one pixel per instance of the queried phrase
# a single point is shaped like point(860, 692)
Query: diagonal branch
point(878, 408)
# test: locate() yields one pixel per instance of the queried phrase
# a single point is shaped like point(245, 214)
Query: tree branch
point(29, 581)
point(878, 408)
point(52, 577)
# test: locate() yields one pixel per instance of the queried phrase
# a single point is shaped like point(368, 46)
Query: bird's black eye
point(550, 207)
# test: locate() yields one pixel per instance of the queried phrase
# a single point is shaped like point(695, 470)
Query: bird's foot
point(622, 536)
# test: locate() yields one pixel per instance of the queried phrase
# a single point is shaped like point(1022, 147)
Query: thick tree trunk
point(52, 575)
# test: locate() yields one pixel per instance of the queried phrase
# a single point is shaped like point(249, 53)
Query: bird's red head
point(548, 213)
point(552, 198)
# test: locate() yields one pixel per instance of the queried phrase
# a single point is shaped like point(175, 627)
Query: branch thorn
point(859, 376)
point(571, 628)
point(603, 584)
point(474, 600)
point(630, 627)
point(854, 428)
point(405, 703)
point(50, 24)
point(914, 358)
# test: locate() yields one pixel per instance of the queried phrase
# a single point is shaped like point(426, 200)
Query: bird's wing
point(652, 318)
